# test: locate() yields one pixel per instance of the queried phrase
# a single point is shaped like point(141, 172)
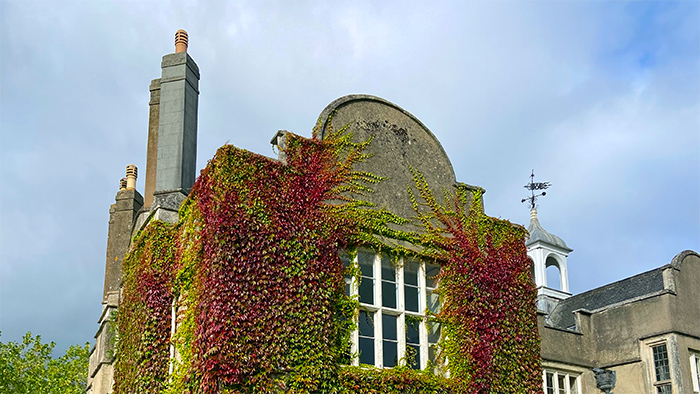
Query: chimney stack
point(172, 131)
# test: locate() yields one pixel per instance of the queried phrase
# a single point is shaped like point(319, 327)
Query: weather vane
point(532, 186)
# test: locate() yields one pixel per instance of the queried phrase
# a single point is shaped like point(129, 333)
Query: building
point(645, 329)
point(395, 292)
point(172, 149)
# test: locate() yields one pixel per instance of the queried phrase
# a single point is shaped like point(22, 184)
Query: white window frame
point(695, 370)
point(377, 311)
point(555, 381)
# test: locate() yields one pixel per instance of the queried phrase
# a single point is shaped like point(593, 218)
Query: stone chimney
point(170, 174)
point(176, 97)
point(177, 128)
point(122, 213)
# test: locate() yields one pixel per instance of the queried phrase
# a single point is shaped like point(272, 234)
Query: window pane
point(665, 389)
point(549, 383)
point(390, 346)
point(413, 356)
point(433, 302)
point(366, 290)
point(366, 345)
point(433, 332)
point(389, 294)
point(390, 353)
point(562, 384)
point(411, 298)
point(389, 327)
point(431, 271)
point(366, 324)
point(366, 261)
point(412, 331)
point(661, 363)
point(388, 269)
point(410, 273)
point(366, 349)
point(573, 387)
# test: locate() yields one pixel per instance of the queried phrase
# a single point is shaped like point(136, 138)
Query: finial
point(533, 213)
point(131, 173)
point(181, 41)
point(532, 186)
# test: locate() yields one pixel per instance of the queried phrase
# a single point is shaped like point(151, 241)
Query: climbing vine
point(488, 299)
point(143, 319)
point(253, 264)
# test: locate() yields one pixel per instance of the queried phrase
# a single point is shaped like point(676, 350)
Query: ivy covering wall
point(253, 264)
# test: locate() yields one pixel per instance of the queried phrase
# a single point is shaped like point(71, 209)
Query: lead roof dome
point(537, 233)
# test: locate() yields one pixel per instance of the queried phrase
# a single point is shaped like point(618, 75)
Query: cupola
point(546, 250)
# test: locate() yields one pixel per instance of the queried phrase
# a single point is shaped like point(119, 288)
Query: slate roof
point(636, 286)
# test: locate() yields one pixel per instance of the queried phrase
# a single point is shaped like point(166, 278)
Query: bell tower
point(545, 250)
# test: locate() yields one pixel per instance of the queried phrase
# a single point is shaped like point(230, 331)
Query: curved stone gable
point(400, 140)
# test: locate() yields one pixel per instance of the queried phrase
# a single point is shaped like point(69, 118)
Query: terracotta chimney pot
point(131, 173)
point(181, 41)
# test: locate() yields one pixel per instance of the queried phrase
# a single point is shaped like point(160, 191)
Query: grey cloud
point(505, 86)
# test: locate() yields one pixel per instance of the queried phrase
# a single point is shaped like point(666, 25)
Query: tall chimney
point(177, 123)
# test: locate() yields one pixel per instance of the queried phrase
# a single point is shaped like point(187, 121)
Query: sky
point(600, 98)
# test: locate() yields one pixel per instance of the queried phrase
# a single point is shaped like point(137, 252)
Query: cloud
point(600, 98)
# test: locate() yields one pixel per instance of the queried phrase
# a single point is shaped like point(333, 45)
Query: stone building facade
point(644, 329)
point(637, 335)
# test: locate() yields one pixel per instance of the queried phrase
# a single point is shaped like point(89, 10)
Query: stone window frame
point(665, 385)
point(559, 375)
point(428, 334)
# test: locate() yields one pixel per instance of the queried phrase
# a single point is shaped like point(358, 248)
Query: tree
point(27, 367)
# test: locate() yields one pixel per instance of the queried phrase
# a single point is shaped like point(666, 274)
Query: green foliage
point(488, 315)
point(144, 318)
point(27, 367)
point(395, 380)
point(254, 266)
